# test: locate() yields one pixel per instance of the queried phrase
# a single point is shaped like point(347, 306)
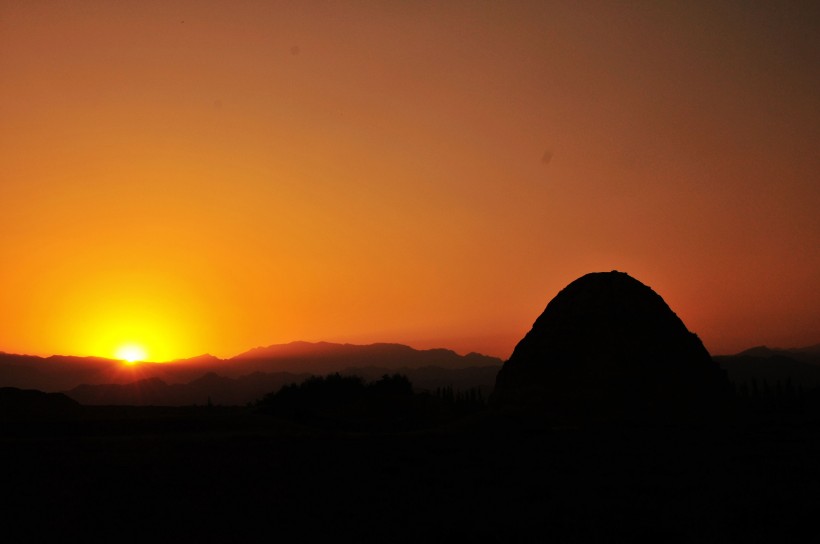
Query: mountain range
point(243, 378)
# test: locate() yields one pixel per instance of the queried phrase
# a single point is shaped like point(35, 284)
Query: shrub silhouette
point(346, 402)
point(462, 402)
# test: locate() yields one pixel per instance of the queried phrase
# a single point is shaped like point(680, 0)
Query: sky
point(202, 176)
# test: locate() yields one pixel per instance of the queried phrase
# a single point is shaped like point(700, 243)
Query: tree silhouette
point(346, 402)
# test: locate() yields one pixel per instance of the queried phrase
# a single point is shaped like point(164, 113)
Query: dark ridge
point(808, 354)
point(23, 404)
point(325, 357)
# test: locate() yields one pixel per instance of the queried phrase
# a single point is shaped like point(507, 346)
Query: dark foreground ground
point(224, 475)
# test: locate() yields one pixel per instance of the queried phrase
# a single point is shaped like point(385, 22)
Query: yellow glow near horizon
point(131, 353)
point(125, 310)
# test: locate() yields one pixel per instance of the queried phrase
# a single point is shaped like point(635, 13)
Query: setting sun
point(131, 353)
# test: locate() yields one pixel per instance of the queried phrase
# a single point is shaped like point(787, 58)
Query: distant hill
point(62, 372)
point(801, 366)
point(808, 354)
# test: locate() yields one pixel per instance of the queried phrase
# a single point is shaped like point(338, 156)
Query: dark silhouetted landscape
point(298, 271)
point(610, 423)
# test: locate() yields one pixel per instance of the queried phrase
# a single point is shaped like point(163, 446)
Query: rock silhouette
point(609, 347)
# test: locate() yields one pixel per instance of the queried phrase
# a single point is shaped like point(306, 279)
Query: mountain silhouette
point(808, 354)
point(607, 347)
point(204, 359)
point(326, 357)
point(64, 373)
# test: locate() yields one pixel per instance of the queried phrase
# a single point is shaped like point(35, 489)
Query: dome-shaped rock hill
point(609, 347)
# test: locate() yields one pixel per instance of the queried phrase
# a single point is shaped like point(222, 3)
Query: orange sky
point(212, 176)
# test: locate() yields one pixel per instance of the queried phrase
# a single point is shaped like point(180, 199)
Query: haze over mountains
point(240, 379)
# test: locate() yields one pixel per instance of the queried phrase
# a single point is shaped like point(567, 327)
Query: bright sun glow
point(131, 353)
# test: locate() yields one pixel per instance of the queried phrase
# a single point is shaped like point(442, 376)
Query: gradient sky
point(212, 176)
